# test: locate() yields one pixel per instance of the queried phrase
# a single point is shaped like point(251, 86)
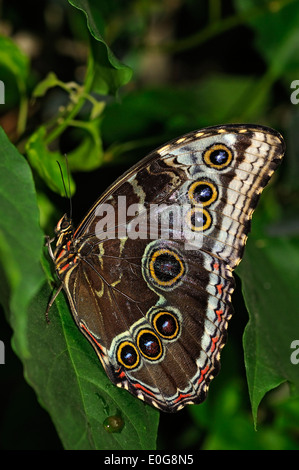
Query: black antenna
point(67, 194)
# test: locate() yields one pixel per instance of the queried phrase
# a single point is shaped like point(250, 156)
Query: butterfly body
point(148, 272)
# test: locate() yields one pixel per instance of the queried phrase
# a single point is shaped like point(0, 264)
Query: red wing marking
point(144, 389)
point(181, 396)
point(219, 288)
point(93, 338)
point(214, 341)
point(219, 313)
point(203, 373)
point(60, 254)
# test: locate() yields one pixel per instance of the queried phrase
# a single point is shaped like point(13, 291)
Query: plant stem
point(81, 97)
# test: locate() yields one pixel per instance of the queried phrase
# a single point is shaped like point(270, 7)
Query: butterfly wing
point(153, 295)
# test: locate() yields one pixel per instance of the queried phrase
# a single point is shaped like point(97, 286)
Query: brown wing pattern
point(148, 273)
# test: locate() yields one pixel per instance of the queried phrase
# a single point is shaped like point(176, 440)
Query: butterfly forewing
point(148, 272)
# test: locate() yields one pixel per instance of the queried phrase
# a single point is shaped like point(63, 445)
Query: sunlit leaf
point(45, 163)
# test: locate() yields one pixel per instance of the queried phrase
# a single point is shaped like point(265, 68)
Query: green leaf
point(45, 163)
point(269, 274)
point(49, 82)
point(14, 60)
point(72, 385)
point(230, 424)
point(14, 74)
point(88, 155)
point(109, 72)
point(42, 87)
point(21, 240)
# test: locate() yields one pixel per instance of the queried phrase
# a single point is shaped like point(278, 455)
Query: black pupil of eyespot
point(166, 267)
point(203, 193)
point(198, 219)
point(149, 345)
point(128, 355)
point(219, 157)
point(166, 325)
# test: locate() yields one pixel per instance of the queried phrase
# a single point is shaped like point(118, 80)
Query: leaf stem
point(75, 106)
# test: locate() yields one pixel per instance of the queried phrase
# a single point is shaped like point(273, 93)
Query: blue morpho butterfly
point(154, 307)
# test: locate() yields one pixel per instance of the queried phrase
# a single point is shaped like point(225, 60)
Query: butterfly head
point(64, 226)
point(64, 244)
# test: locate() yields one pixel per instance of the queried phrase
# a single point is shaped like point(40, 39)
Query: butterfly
point(149, 271)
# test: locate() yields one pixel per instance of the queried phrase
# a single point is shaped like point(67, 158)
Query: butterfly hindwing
point(149, 274)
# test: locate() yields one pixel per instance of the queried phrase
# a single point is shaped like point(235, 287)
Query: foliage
point(105, 82)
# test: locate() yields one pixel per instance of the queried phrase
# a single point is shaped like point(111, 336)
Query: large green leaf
point(269, 274)
point(21, 240)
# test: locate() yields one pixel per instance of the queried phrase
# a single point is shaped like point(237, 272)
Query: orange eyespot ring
point(218, 156)
point(149, 345)
point(127, 355)
point(202, 193)
point(199, 219)
point(166, 267)
point(166, 324)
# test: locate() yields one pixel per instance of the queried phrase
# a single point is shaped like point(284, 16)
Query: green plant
point(108, 120)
